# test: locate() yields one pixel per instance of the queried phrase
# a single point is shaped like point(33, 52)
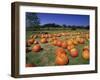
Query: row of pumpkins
point(54, 39)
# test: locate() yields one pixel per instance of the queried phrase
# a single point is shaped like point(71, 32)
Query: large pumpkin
point(62, 59)
point(36, 48)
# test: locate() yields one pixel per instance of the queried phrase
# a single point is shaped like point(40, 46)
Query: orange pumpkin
point(36, 48)
point(74, 52)
point(70, 47)
point(86, 55)
point(62, 60)
point(81, 41)
point(75, 42)
point(64, 45)
point(59, 43)
point(43, 40)
point(69, 42)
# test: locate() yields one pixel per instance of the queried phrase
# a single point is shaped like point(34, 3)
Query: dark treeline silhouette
point(53, 26)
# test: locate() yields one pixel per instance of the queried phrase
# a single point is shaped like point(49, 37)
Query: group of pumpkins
point(61, 55)
point(69, 44)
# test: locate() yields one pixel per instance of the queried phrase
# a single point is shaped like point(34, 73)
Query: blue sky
point(68, 19)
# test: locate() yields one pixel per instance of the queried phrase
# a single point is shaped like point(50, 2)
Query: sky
point(68, 19)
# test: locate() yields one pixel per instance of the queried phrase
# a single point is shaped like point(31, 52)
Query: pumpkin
point(70, 47)
point(36, 48)
point(74, 52)
point(43, 40)
point(62, 60)
point(69, 42)
point(81, 41)
point(59, 43)
point(64, 45)
point(86, 55)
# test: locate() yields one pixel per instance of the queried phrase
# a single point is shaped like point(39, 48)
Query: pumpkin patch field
point(55, 48)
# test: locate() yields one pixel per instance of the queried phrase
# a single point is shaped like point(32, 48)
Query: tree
point(32, 20)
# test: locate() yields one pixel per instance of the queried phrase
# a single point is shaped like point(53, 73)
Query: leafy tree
point(32, 20)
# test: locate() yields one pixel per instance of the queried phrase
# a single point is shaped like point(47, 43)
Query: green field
point(46, 57)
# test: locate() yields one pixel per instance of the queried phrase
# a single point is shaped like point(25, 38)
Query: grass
point(46, 57)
